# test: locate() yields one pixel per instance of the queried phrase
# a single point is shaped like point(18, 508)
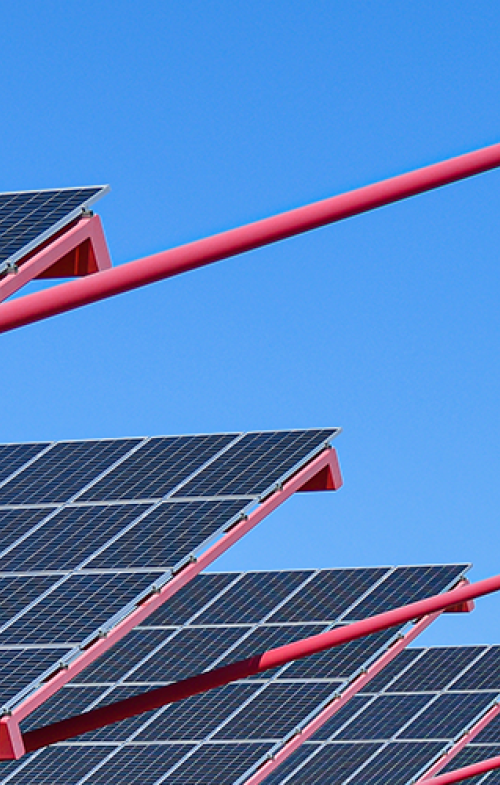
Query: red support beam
point(274, 658)
point(459, 775)
point(129, 276)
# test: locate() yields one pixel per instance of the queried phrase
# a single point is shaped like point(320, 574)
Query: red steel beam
point(459, 775)
point(274, 658)
point(65, 297)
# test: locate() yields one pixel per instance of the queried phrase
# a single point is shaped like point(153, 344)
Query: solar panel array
point(220, 617)
point(91, 527)
point(28, 218)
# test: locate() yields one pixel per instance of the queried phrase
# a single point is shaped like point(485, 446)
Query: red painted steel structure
point(358, 684)
point(322, 473)
point(246, 238)
point(77, 250)
point(471, 734)
point(459, 775)
point(274, 658)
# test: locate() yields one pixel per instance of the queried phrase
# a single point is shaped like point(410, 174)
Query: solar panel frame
point(94, 194)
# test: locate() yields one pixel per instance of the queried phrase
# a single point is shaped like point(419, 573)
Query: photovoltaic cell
point(63, 471)
point(436, 669)
point(69, 537)
point(396, 763)
point(332, 764)
point(484, 675)
point(330, 593)
point(249, 467)
point(217, 763)
point(398, 589)
point(18, 591)
point(448, 715)
point(14, 456)
point(191, 599)
point(253, 597)
point(383, 718)
point(169, 533)
point(75, 609)
point(15, 523)
point(158, 467)
point(19, 667)
point(28, 218)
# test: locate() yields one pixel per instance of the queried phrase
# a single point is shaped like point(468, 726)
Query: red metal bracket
point(10, 747)
point(76, 251)
point(462, 607)
point(459, 775)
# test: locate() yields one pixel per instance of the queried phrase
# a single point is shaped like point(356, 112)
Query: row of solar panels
point(88, 527)
point(394, 728)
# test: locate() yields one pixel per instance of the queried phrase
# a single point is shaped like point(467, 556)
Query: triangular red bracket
point(329, 478)
point(77, 250)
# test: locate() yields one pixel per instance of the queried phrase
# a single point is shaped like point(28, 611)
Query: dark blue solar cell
point(253, 597)
point(76, 608)
point(15, 523)
point(484, 674)
point(330, 593)
point(449, 715)
point(332, 764)
point(123, 656)
point(385, 679)
point(276, 711)
point(70, 537)
point(190, 599)
point(63, 471)
point(341, 717)
point(144, 764)
point(396, 763)
point(19, 667)
point(269, 637)
point(383, 718)
point(13, 456)
point(27, 218)
point(65, 703)
point(405, 585)
point(216, 763)
point(188, 653)
point(341, 661)
point(158, 467)
point(291, 763)
point(490, 734)
point(169, 533)
point(257, 461)
point(194, 719)
point(18, 591)
point(436, 669)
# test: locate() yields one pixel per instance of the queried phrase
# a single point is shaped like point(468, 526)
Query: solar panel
point(92, 527)
point(28, 218)
point(225, 734)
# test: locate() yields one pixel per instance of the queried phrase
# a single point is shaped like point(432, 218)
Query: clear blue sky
point(205, 115)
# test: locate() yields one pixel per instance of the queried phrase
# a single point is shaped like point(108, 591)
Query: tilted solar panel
point(28, 218)
point(223, 735)
point(90, 528)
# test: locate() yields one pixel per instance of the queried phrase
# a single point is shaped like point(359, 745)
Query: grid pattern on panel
point(27, 218)
point(249, 467)
point(89, 529)
point(159, 467)
point(248, 718)
point(409, 730)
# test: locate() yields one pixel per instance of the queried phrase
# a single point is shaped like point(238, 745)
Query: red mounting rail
point(474, 770)
point(129, 276)
point(274, 658)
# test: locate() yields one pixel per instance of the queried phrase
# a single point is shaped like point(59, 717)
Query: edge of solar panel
point(56, 227)
point(167, 576)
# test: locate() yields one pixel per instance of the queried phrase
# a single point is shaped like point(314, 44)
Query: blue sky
point(205, 115)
